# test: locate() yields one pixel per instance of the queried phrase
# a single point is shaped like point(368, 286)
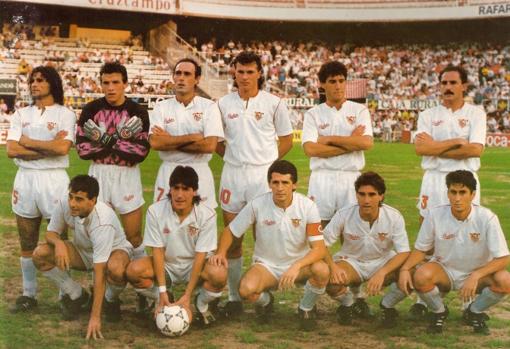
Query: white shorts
point(456, 277)
point(434, 192)
point(276, 271)
point(239, 185)
point(119, 186)
point(87, 259)
point(36, 192)
point(181, 275)
point(365, 269)
point(205, 182)
point(332, 190)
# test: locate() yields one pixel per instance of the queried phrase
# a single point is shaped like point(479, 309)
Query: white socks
point(29, 277)
point(64, 281)
point(263, 299)
point(346, 298)
point(485, 300)
point(112, 292)
point(204, 298)
point(235, 266)
point(393, 296)
point(310, 296)
point(433, 300)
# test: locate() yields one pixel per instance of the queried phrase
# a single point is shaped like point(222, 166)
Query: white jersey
point(365, 243)
point(462, 245)
point(98, 234)
point(178, 120)
point(32, 122)
point(281, 234)
point(469, 122)
point(252, 127)
point(181, 240)
point(323, 120)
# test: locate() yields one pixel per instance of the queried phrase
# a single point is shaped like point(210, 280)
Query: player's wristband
point(162, 289)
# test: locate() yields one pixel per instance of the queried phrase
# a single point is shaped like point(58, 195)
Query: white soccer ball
point(173, 321)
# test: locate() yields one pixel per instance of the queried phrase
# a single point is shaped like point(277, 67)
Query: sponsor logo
point(449, 236)
point(269, 222)
point(463, 123)
point(323, 126)
point(197, 116)
point(166, 231)
point(353, 237)
point(25, 124)
point(129, 197)
point(475, 237)
point(169, 120)
point(192, 230)
point(437, 122)
point(351, 119)
point(296, 222)
point(232, 116)
point(51, 125)
point(259, 115)
point(382, 236)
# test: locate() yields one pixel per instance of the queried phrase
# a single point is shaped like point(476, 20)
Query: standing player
point(335, 133)
point(112, 132)
point(257, 132)
point(38, 140)
point(289, 245)
point(182, 233)
point(99, 244)
point(374, 246)
point(450, 137)
point(470, 255)
point(185, 133)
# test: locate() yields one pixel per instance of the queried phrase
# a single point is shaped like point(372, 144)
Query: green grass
point(400, 167)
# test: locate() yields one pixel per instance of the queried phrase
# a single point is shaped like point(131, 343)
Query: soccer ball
point(173, 321)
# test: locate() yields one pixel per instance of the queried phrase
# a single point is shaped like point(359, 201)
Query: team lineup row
point(250, 129)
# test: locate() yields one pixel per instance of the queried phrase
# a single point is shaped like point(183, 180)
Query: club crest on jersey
point(353, 237)
point(296, 222)
point(51, 125)
point(323, 126)
point(449, 236)
point(197, 116)
point(259, 115)
point(169, 120)
point(475, 237)
point(166, 231)
point(25, 124)
point(463, 123)
point(192, 230)
point(232, 116)
point(382, 236)
point(437, 123)
point(129, 197)
point(351, 119)
point(269, 222)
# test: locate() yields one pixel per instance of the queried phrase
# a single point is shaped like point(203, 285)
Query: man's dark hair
point(466, 178)
point(283, 167)
point(455, 68)
point(186, 176)
point(86, 184)
point(373, 179)
point(245, 58)
point(53, 78)
point(198, 70)
point(114, 67)
point(331, 68)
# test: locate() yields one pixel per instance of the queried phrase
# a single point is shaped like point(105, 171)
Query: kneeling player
point(374, 246)
point(470, 255)
point(182, 232)
point(287, 224)
point(99, 244)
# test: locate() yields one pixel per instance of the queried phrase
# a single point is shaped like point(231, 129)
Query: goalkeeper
point(113, 132)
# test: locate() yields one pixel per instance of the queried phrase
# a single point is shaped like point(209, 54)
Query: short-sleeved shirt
point(462, 245)
point(281, 234)
point(181, 240)
point(98, 234)
point(468, 122)
point(365, 243)
point(323, 120)
point(43, 125)
point(178, 119)
point(252, 127)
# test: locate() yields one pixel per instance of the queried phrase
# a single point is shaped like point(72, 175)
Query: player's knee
point(41, 255)
point(115, 272)
point(247, 290)
point(320, 272)
point(423, 278)
point(134, 273)
point(502, 281)
point(216, 276)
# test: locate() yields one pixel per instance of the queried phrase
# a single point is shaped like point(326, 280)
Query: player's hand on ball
point(163, 302)
point(94, 329)
point(405, 282)
point(96, 133)
point(130, 128)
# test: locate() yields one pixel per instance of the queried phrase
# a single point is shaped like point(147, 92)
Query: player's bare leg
point(253, 288)
point(343, 294)
point(28, 230)
point(394, 295)
point(234, 306)
point(140, 274)
point(75, 297)
point(317, 278)
point(429, 280)
point(132, 224)
point(115, 283)
point(206, 302)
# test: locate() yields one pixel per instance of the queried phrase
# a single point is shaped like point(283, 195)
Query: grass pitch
point(400, 167)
